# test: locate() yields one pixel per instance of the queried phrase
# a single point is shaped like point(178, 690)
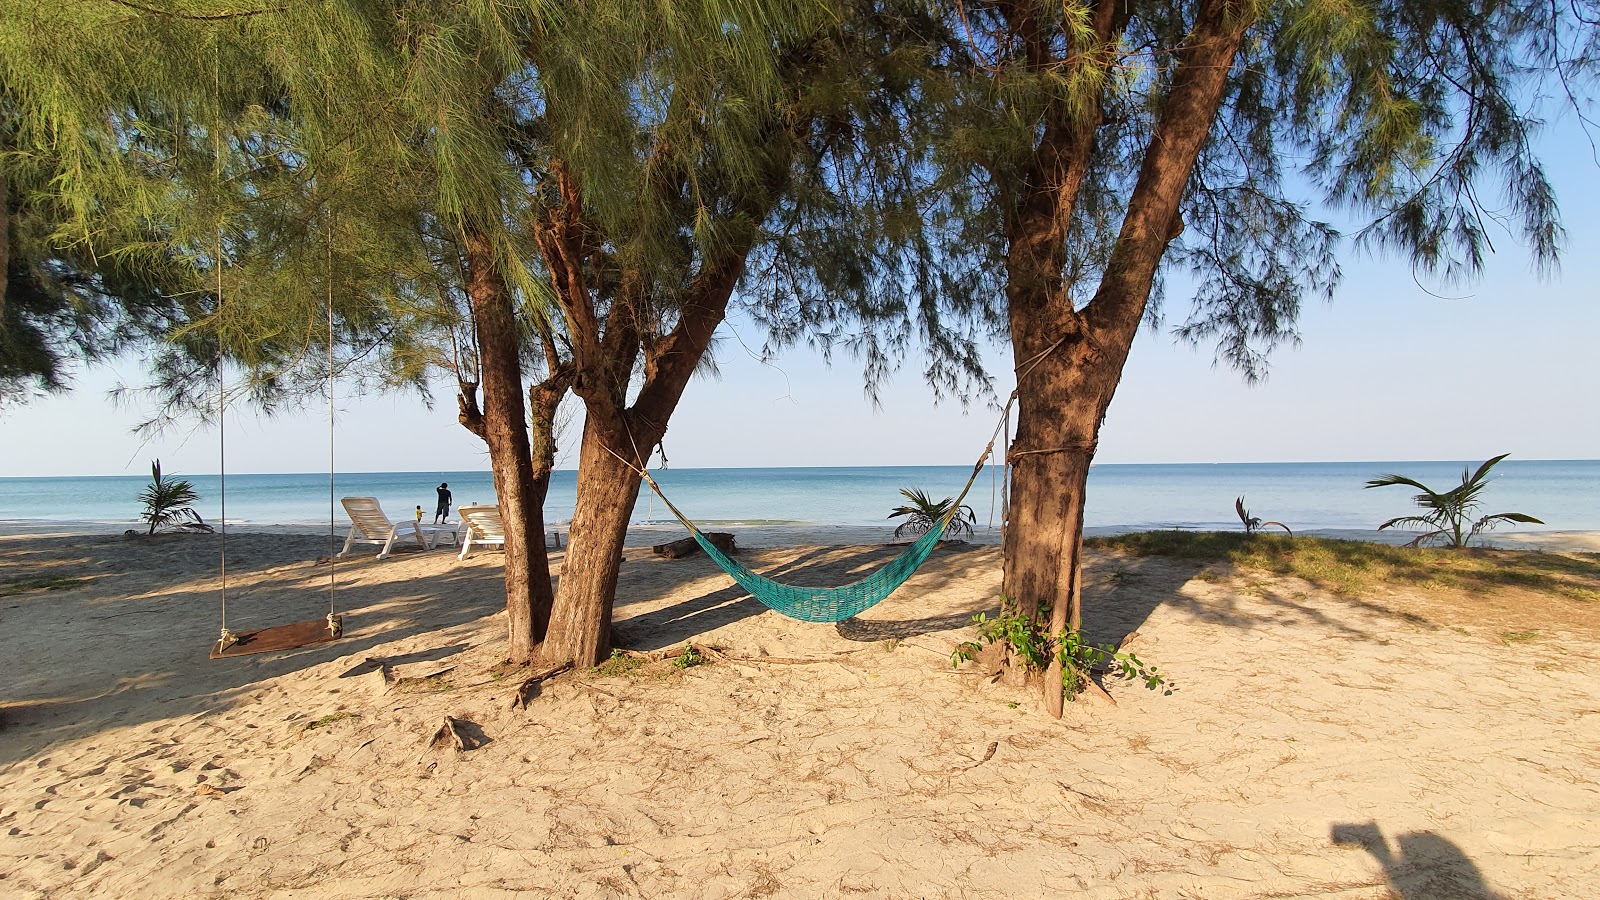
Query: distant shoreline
point(961, 465)
point(756, 535)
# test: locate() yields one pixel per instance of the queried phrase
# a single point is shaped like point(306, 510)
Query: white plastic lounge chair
point(483, 527)
point(369, 525)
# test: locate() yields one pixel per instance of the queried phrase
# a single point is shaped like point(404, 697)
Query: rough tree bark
point(504, 426)
point(1068, 361)
point(580, 625)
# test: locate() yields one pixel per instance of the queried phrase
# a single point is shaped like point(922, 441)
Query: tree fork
point(1060, 413)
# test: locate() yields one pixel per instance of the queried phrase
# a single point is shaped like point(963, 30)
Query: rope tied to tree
point(1080, 448)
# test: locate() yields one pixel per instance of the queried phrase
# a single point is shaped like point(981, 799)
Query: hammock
point(835, 604)
point(814, 604)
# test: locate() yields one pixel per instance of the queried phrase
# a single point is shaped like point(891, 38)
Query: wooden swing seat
point(278, 637)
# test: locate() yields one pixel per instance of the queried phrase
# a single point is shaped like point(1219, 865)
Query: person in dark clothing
point(443, 511)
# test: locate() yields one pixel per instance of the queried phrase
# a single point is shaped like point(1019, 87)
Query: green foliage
point(923, 513)
point(1450, 518)
point(166, 503)
point(1031, 643)
point(621, 664)
point(1253, 524)
point(688, 657)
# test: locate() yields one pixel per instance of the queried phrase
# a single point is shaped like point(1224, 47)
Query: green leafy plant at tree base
point(1450, 517)
point(688, 657)
point(621, 664)
point(166, 503)
point(1036, 647)
point(923, 512)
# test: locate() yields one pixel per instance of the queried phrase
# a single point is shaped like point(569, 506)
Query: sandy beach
point(1401, 743)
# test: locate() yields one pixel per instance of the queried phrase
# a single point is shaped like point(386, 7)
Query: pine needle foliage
point(1414, 120)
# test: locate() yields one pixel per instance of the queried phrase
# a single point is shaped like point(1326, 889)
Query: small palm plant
point(1253, 524)
point(922, 513)
point(166, 503)
point(1450, 517)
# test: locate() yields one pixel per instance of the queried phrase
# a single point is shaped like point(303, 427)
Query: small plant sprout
point(923, 512)
point(689, 657)
point(1252, 524)
point(1449, 517)
point(166, 503)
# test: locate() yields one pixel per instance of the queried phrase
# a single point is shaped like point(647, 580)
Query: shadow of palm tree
point(1426, 866)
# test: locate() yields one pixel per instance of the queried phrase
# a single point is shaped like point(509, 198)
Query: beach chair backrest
point(484, 520)
point(368, 516)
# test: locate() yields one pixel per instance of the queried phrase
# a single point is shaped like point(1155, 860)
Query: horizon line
point(430, 472)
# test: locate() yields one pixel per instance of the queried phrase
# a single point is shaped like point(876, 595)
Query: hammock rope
point(833, 604)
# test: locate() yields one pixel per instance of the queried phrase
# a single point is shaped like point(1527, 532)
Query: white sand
point(1398, 744)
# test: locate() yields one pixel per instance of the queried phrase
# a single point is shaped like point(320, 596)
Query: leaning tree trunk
point(616, 439)
point(608, 488)
point(1060, 403)
point(520, 495)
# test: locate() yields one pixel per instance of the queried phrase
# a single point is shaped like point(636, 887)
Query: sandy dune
point(1313, 745)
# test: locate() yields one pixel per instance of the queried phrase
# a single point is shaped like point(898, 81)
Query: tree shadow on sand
point(1120, 595)
point(671, 625)
point(146, 654)
point(1426, 866)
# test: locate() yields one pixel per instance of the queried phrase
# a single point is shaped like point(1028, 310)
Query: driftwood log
point(681, 548)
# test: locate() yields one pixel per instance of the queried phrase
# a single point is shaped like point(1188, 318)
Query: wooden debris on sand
point(678, 549)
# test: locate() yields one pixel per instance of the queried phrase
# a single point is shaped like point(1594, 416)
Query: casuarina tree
point(1077, 157)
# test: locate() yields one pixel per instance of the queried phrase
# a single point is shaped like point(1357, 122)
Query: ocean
point(1565, 494)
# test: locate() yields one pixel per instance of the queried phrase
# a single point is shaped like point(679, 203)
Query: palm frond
point(1393, 479)
point(1407, 522)
point(1483, 470)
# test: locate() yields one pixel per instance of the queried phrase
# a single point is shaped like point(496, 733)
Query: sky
point(1389, 370)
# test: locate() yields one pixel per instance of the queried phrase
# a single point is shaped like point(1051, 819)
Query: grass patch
point(433, 684)
point(331, 718)
point(40, 583)
point(1353, 567)
point(621, 664)
point(1517, 637)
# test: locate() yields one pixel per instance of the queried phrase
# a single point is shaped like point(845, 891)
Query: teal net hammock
point(814, 604)
point(834, 604)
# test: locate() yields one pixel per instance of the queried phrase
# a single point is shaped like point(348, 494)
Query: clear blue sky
point(1387, 371)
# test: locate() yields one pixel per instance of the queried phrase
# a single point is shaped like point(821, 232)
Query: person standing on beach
point(443, 511)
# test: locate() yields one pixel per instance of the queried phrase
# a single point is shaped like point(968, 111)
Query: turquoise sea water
point(1566, 494)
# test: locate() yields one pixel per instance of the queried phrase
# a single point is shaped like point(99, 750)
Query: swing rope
point(335, 623)
point(227, 638)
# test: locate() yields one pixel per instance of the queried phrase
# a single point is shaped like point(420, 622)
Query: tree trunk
point(1069, 362)
point(1058, 422)
point(580, 627)
point(505, 428)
